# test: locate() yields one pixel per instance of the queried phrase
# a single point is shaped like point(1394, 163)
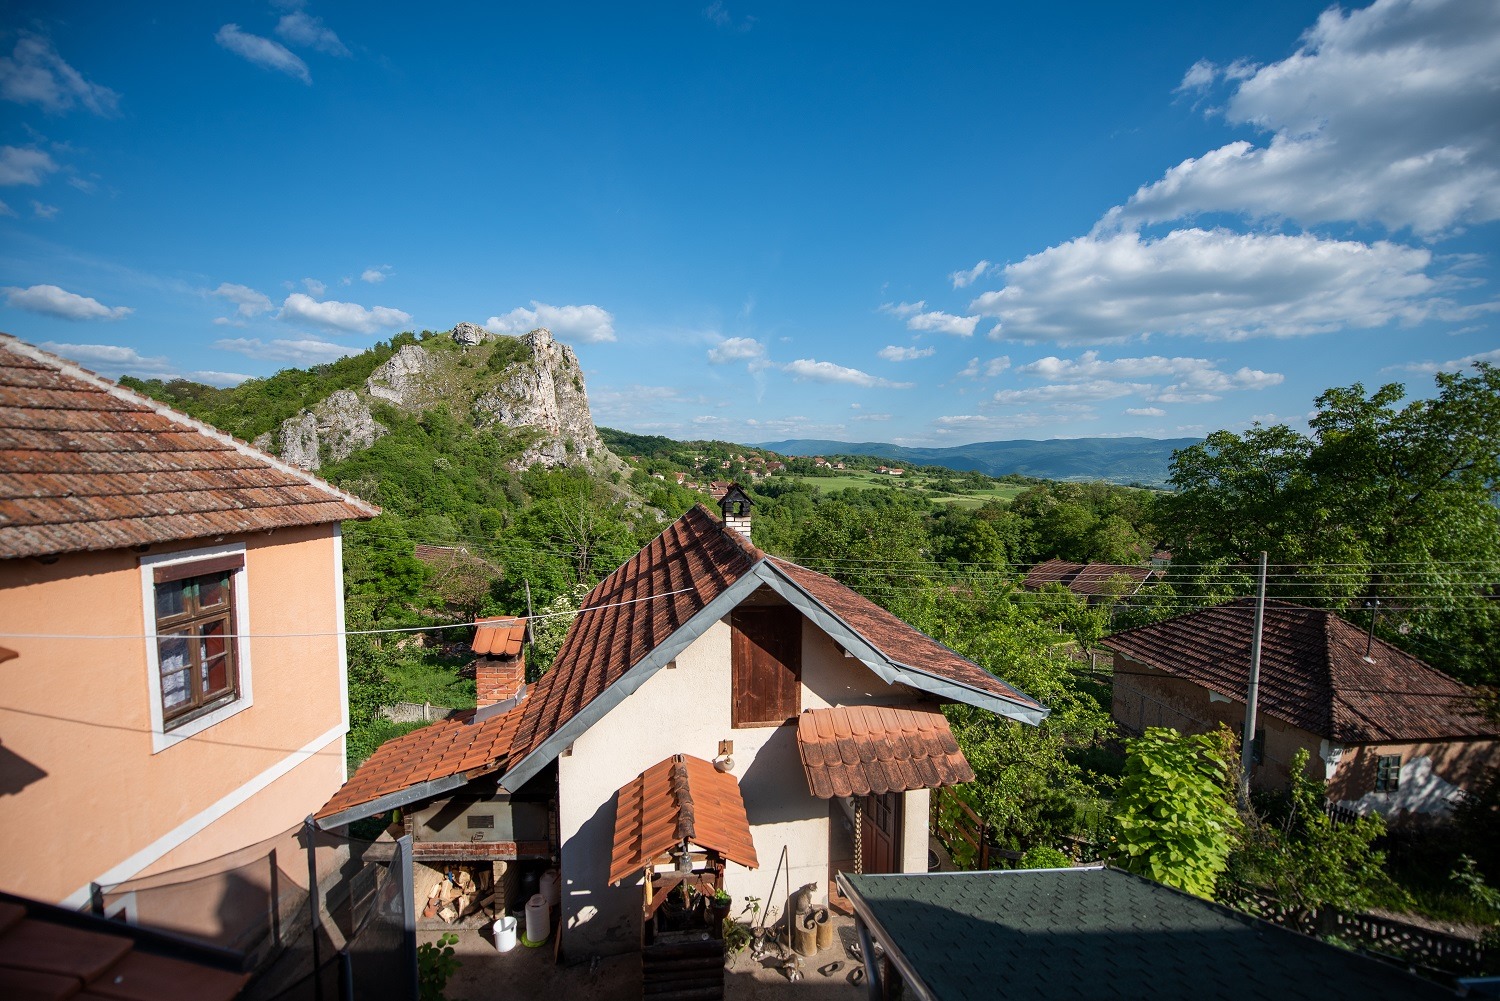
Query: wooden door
point(766, 653)
point(880, 840)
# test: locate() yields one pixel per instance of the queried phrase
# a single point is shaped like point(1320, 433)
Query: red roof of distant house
point(1083, 578)
point(88, 465)
point(859, 750)
point(681, 798)
point(1312, 673)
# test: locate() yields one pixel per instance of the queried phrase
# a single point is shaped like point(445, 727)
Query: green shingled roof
point(1101, 933)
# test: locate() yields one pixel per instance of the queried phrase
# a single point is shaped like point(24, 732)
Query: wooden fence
point(1409, 943)
point(963, 831)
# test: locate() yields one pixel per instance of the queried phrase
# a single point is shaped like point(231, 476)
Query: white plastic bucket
point(505, 933)
point(538, 920)
point(551, 888)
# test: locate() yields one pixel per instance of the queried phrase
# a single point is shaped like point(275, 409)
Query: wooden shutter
point(766, 650)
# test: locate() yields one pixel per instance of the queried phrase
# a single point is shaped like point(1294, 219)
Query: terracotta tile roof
point(49, 953)
point(695, 557)
point(1312, 673)
point(499, 636)
point(680, 798)
point(899, 642)
point(859, 750)
point(1083, 578)
point(451, 747)
point(87, 465)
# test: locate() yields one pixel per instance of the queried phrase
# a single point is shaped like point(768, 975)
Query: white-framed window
point(196, 611)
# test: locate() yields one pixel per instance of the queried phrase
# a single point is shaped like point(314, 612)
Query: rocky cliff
point(530, 384)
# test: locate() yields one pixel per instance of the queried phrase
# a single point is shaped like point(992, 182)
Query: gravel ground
point(487, 973)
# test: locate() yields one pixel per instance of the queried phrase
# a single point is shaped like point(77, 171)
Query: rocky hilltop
point(530, 385)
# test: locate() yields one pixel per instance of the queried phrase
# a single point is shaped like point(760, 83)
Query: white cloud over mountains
point(805, 369)
point(590, 324)
point(1155, 378)
point(1383, 115)
point(50, 300)
point(1215, 284)
point(35, 74)
point(114, 361)
point(347, 317)
point(294, 351)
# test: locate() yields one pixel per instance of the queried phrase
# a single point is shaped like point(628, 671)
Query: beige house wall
point(1431, 773)
point(685, 709)
point(113, 798)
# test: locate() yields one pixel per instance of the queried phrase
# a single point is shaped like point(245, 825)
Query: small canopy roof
point(859, 750)
point(681, 798)
point(499, 636)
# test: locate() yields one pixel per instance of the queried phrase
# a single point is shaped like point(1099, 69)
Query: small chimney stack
point(500, 667)
point(735, 506)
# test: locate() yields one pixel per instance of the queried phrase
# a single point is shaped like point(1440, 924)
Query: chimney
point(735, 505)
point(500, 667)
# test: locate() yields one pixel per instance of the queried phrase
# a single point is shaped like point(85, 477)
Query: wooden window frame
point(746, 653)
point(172, 725)
point(195, 627)
point(1388, 773)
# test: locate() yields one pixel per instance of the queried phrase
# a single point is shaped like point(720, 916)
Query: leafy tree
point(1380, 502)
point(1176, 818)
point(1307, 859)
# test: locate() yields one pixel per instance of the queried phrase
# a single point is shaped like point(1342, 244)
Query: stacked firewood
point(455, 895)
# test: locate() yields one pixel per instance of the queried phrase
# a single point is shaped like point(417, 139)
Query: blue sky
point(754, 221)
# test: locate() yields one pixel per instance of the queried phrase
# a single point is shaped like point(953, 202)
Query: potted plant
point(719, 910)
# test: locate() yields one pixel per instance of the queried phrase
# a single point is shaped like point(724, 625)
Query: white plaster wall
point(914, 831)
point(686, 710)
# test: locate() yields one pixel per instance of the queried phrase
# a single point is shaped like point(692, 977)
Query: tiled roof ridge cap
point(76, 371)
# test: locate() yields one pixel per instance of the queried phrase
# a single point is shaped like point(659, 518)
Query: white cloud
point(314, 286)
point(590, 324)
point(736, 349)
point(874, 417)
point(1384, 114)
point(904, 309)
point(23, 165)
point(1209, 283)
point(114, 361)
point(826, 371)
point(50, 300)
point(299, 351)
point(1145, 412)
point(6, 209)
point(43, 210)
point(345, 316)
point(263, 52)
point(720, 16)
point(1071, 392)
point(35, 74)
point(248, 302)
point(892, 352)
point(1198, 380)
point(375, 275)
point(302, 29)
point(963, 279)
point(988, 370)
point(1456, 365)
point(943, 323)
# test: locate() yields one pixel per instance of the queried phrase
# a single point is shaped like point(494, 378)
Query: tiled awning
point(859, 750)
point(681, 798)
point(500, 636)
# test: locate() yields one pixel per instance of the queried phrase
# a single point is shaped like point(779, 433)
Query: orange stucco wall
point(75, 718)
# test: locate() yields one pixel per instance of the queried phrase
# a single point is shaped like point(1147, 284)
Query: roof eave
point(887, 669)
point(393, 800)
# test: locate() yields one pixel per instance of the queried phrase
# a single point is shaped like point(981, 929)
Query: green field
point(913, 483)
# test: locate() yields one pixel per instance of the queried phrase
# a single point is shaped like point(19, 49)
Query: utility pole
point(1247, 746)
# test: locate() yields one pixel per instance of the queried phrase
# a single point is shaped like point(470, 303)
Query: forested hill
point(1115, 460)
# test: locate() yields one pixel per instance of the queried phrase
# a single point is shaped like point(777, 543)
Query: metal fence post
point(315, 921)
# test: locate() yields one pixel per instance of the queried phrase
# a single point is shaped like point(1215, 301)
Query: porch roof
point(681, 798)
point(859, 750)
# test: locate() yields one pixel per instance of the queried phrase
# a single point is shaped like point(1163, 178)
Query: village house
point(171, 615)
point(1387, 732)
point(1092, 581)
point(701, 656)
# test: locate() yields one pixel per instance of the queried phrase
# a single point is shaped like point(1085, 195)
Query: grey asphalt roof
point(1102, 933)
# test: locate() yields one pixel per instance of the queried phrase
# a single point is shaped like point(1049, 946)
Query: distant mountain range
point(1116, 460)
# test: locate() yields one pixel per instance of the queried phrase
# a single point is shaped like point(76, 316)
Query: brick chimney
point(500, 665)
point(499, 679)
point(735, 506)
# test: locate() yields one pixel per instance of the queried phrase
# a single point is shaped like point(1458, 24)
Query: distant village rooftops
point(1087, 579)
